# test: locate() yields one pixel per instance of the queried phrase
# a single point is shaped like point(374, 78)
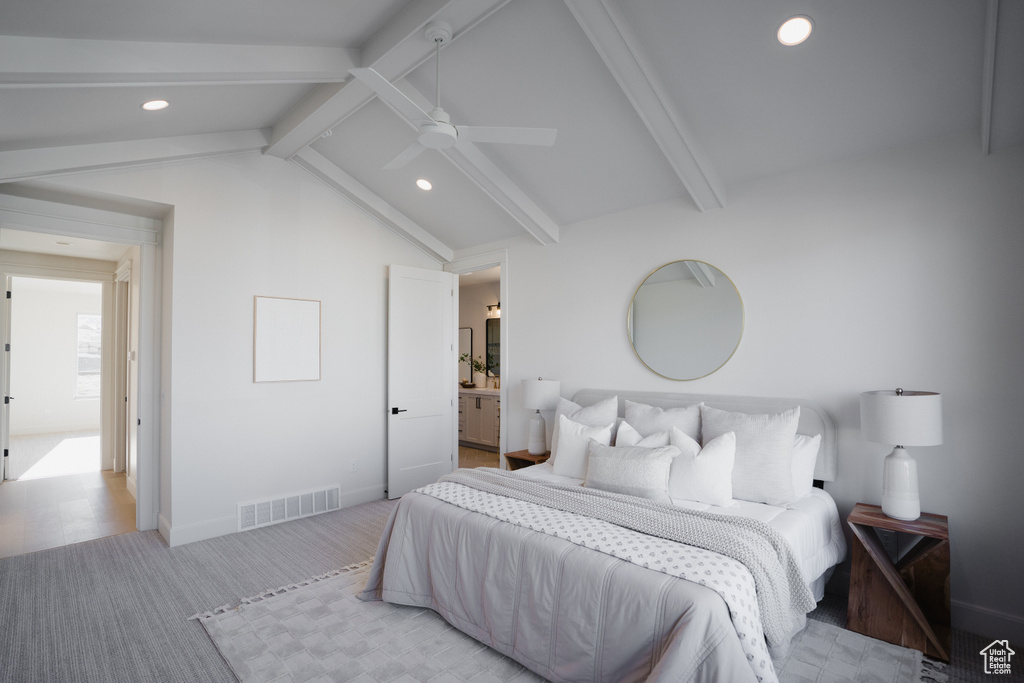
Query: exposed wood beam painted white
point(602, 22)
point(988, 75)
point(395, 51)
point(468, 158)
point(56, 218)
point(360, 195)
point(28, 164)
point(50, 62)
point(481, 170)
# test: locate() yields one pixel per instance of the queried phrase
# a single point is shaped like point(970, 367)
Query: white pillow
point(635, 471)
point(627, 436)
point(602, 413)
point(651, 419)
point(763, 471)
point(573, 439)
point(805, 455)
point(703, 474)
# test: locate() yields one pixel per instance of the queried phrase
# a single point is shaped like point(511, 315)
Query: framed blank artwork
point(286, 340)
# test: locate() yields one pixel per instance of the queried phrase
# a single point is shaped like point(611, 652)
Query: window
point(88, 384)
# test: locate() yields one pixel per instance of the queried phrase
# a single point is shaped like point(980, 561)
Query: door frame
point(479, 262)
point(121, 227)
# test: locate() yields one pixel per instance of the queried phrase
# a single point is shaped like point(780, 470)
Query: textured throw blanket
point(782, 594)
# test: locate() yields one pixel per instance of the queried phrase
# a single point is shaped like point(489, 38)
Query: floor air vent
point(271, 511)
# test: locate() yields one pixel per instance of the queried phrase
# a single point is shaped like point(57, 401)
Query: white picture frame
point(286, 340)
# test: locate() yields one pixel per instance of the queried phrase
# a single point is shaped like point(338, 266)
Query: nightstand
point(906, 602)
point(517, 459)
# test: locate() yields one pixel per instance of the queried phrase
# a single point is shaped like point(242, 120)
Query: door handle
point(8, 399)
point(396, 411)
point(478, 403)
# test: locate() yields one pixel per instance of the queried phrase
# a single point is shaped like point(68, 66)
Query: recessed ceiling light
point(155, 105)
point(795, 30)
point(423, 184)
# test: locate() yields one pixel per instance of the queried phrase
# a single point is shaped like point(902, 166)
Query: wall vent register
point(254, 514)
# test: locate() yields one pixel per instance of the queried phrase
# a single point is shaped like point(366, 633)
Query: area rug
point(318, 630)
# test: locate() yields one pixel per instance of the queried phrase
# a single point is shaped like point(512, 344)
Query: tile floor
point(36, 514)
point(474, 457)
point(61, 495)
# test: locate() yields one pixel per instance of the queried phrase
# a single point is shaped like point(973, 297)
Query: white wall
point(44, 368)
point(903, 269)
point(251, 225)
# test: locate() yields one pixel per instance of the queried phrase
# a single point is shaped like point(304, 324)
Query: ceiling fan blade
point(392, 95)
point(511, 136)
point(405, 156)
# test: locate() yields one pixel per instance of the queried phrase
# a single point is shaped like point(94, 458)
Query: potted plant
point(477, 366)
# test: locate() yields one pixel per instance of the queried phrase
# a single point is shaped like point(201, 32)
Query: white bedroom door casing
point(422, 382)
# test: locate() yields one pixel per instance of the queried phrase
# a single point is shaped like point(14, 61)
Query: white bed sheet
point(811, 524)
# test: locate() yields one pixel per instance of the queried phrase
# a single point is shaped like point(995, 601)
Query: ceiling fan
point(435, 128)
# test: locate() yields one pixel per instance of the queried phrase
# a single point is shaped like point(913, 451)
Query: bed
point(588, 567)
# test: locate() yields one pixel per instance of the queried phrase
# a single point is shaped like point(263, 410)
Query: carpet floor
point(116, 609)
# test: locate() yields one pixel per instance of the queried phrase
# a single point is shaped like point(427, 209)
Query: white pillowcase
point(627, 436)
point(805, 456)
point(635, 471)
point(763, 471)
point(703, 474)
point(602, 413)
point(649, 420)
point(573, 440)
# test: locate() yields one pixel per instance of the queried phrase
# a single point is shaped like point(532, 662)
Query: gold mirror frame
point(728, 322)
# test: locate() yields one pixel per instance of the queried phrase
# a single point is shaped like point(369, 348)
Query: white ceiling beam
point(988, 75)
point(29, 164)
point(605, 27)
point(482, 171)
point(364, 198)
point(395, 51)
point(476, 166)
point(53, 62)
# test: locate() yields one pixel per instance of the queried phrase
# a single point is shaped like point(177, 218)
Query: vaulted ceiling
point(653, 100)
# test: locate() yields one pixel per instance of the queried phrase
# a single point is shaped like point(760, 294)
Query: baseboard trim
point(982, 621)
point(988, 623)
point(164, 527)
point(200, 531)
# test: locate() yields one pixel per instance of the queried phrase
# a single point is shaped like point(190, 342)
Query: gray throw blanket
point(782, 594)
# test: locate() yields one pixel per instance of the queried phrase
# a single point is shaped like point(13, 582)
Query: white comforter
point(564, 611)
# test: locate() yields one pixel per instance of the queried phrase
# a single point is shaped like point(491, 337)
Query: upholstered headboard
point(813, 418)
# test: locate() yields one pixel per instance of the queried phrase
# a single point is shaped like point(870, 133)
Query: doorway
point(60, 486)
point(55, 389)
point(480, 367)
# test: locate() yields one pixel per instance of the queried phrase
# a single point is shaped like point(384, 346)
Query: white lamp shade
point(541, 394)
point(911, 419)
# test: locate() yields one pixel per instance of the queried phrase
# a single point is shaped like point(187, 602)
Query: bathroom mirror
point(685, 320)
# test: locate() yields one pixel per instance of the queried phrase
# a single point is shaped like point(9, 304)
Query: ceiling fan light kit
point(435, 128)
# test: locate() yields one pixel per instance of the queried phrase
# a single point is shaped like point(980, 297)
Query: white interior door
point(422, 383)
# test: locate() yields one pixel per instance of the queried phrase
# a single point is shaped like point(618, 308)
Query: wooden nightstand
point(906, 603)
point(517, 459)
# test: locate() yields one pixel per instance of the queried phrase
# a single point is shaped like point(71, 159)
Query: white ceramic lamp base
point(900, 499)
point(538, 441)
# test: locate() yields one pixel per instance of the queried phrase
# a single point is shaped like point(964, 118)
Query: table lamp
point(901, 418)
point(539, 394)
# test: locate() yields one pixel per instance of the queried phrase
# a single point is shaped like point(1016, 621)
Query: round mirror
point(685, 320)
